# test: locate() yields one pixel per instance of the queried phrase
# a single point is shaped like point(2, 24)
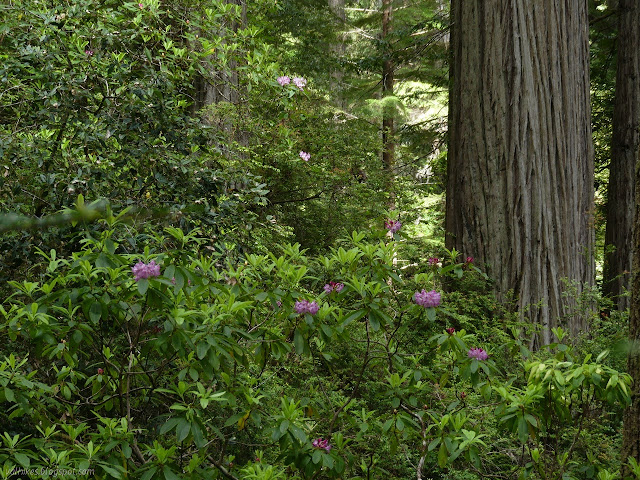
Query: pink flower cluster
point(392, 225)
point(433, 261)
point(299, 82)
point(305, 156)
point(322, 443)
point(305, 306)
point(145, 270)
point(427, 299)
point(331, 286)
point(478, 354)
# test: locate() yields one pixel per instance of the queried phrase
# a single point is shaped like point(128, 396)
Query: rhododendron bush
point(170, 363)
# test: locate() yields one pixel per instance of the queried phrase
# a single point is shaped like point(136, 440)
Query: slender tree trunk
point(624, 152)
point(338, 50)
point(520, 167)
point(388, 110)
point(223, 85)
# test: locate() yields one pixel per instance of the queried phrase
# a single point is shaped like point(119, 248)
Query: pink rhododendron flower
point(427, 299)
point(284, 80)
point(478, 354)
point(299, 82)
point(469, 259)
point(433, 261)
point(322, 443)
point(331, 286)
point(392, 225)
point(304, 306)
point(451, 330)
point(305, 156)
point(145, 270)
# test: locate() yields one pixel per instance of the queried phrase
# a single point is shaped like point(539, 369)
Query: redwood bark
point(624, 152)
point(628, 74)
point(520, 165)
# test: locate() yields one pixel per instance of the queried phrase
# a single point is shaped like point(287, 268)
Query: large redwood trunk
point(520, 171)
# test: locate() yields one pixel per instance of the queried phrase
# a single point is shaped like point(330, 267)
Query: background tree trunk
point(338, 50)
point(624, 152)
point(388, 110)
point(520, 168)
point(223, 85)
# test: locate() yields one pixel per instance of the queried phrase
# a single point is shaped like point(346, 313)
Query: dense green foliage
point(209, 368)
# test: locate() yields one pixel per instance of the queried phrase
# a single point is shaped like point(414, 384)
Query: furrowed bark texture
point(631, 431)
point(520, 171)
point(624, 152)
point(630, 27)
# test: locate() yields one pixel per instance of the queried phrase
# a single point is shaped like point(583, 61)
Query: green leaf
point(298, 342)
point(169, 475)
point(434, 443)
point(111, 471)
point(149, 473)
point(523, 430)
point(95, 312)
point(22, 459)
point(374, 321)
point(169, 425)
point(354, 316)
point(316, 457)
point(202, 349)
point(8, 394)
point(143, 285)
point(298, 433)
point(183, 430)
point(284, 426)
point(262, 296)
point(327, 460)
point(443, 456)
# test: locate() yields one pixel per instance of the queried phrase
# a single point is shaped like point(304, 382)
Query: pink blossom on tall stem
point(284, 80)
point(305, 156)
point(433, 261)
